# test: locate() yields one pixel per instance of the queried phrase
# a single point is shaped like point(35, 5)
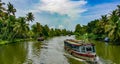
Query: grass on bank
point(2, 42)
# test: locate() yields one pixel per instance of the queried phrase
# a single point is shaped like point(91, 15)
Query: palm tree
point(8, 27)
point(37, 29)
point(104, 20)
point(30, 17)
point(11, 9)
point(113, 27)
point(118, 10)
point(2, 9)
point(21, 28)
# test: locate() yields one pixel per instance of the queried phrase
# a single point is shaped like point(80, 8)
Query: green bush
point(92, 36)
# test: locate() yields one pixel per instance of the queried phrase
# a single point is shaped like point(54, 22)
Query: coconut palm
point(21, 28)
point(2, 9)
point(113, 28)
point(30, 17)
point(7, 27)
point(102, 23)
point(11, 9)
point(37, 29)
point(118, 10)
point(1, 6)
point(104, 20)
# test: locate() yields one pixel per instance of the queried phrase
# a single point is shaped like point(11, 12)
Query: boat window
point(66, 44)
point(79, 49)
point(76, 48)
point(90, 49)
point(93, 48)
point(82, 49)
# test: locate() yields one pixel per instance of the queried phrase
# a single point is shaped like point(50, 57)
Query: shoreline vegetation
point(14, 29)
point(98, 29)
point(2, 42)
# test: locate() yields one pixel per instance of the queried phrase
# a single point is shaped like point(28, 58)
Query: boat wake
point(70, 56)
point(98, 59)
point(102, 61)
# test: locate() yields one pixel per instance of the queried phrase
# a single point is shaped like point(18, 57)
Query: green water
point(18, 53)
point(108, 53)
point(52, 52)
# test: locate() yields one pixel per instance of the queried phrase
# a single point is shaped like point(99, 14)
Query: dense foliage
point(40, 30)
point(12, 28)
point(106, 26)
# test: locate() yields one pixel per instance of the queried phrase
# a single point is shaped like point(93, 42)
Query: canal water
point(51, 51)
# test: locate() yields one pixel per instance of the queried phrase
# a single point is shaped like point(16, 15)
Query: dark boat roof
point(78, 42)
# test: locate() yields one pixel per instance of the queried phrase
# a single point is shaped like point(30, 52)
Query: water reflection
point(33, 54)
point(13, 54)
point(54, 54)
point(108, 53)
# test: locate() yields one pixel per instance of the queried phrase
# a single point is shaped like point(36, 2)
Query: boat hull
point(40, 39)
point(86, 57)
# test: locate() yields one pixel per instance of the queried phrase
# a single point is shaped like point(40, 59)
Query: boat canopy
point(77, 42)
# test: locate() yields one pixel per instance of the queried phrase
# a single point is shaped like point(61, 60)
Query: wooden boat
point(40, 39)
point(79, 49)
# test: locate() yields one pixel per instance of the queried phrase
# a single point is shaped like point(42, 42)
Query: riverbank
point(3, 42)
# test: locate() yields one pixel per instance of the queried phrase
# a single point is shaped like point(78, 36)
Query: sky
point(64, 13)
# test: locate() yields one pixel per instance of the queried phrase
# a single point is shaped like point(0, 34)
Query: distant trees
point(37, 30)
point(106, 26)
point(80, 30)
point(40, 30)
point(77, 28)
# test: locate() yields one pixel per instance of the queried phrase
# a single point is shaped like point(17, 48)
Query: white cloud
point(60, 26)
point(62, 7)
point(52, 27)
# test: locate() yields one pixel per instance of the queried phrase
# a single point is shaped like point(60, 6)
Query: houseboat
point(80, 49)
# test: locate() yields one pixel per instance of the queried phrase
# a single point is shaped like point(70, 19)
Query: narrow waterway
point(51, 51)
point(54, 54)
